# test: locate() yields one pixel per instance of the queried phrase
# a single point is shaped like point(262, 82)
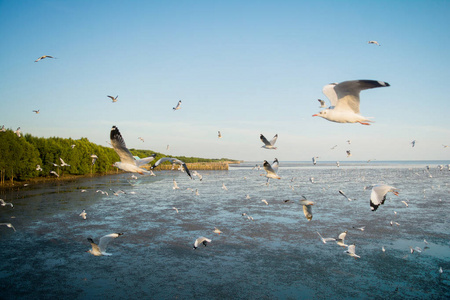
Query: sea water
point(275, 254)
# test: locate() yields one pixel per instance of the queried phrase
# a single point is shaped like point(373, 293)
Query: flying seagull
point(201, 240)
point(63, 163)
point(378, 195)
point(100, 249)
point(267, 144)
point(114, 99)
point(351, 251)
point(216, 230)
point(342, 193)
point(325, 240)
point(43, 56)
point(307, 208)
point(3, 203)
point(322, 103)
point(178, 106)
point(127, 162)
point(344, 98)
point(374, 42)
point(270, 171)
point(36, 111)
point(8, 225)
point(219, 135)
point(173, 161)
point(83, 214)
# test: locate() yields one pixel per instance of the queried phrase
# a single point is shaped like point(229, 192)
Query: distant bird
point(83, 214)
point(267, 144)
point(337, 164)
point(445, 146)
point(43, 57)
point(100, 249)
point(201, 240)
point(314, 160)
point(55, 165)
point(378, 195)
point(413, 143)
point(322, 103)
point(325, 240)
point(332, 148)
point(114, 99)
point(348, 153)
point(38, 168)
point(374, 42)
point(216, 230)
point(404, 202)
point(174, 161)
point(140, 138)
point(3, 129)
point(360, 228)
point(349, 142)
point(382, 249)
point(175, 185)
point(224, 187)
point(8, 225)
point(195, 173)
point(73, 146)
point(18, 132)
point(3, 203)
point(127, 161)
point(441, 270)
point(265, 201)
point(351, 251)
point(94, 159)
point(36, 111)
point(270, 171)
point(341, 239)
point(63, 163)
point(219, 135)
point(178, 106)
point(342, 193)
point(344, 98)
point(54, 173)
point(176, 209)
point(307, 208)
point(311, 179)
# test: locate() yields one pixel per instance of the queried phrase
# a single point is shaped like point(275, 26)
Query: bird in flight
point(178, 106)
point(100, 249)
point(267, 144)
point(43, 57)
point(114, 99)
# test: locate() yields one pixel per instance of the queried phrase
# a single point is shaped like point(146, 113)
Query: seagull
point(173, 161)
point(378, 195)
point(73, 146)
point(267, 144)
point(382, 249)
point(43, 56)
point(332, 148)
point(63, 164)
point(195, 173)
point(83, 214)
point(216, 230)
point(100, 249)
point(322, 103)
point(18, 132)
point(441, 270)
point(38, 168)
point(265, 201)
point(413, 143)
point(175, 185)
point(314, 160)
point(127, 162)
point(337, 164)
point(224, 187)
point(94, 158)
point(270, 171)
point(3, 129)
point(8, 225)
point(140, 138)
point(360, 228)
point(54, 173)
point(351, 251)
point(325, 240)
point(342, 193)
point(311, 179)
point(349, 142)
point(307, 208)
point(404, 202)
point(176, 209)
point(373, 42)
point(36, 111)
point(219, 135)
point(341, 239)
point(344, 98)
point(3, 203)
point(178, 106)
point(349, 153)
point(201, 240)
point(114, 99)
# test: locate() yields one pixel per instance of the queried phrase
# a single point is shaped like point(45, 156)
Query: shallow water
point(277, 255)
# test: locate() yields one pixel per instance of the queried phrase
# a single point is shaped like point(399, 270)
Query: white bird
point(342, 193)
point(114, 99)
point(176, 209)
point(270, 171)
point(337, 164)
point(43, 56)
point(54, 173)
point(349, 142)
point(351, 251)
point(175, 185)
point(100, 249)
point(378, 195)
point(373, 42)
point(216, 230)
point(3, 203)
point(265, 201)
point(178, 106)
point(63, 164)
point(360, 228)
point(201, 240)
point(383, 249)
point(311, 179)
point(72, 146)
point(325, 240)
point(140, 138)
point(173, 161)
point(307, 208)
point(322, 103)
point(341, 239)
point(36, 111)
point(349, 153)
point(344, 98)
point(83, 214)
point(314, 160)
point(94, 159)
point(195, 173)
point(3, 129)
point(267, 144)
point(38, 168)
point(441, 270)
point(224, 187)
point(404, 202)
point(219, 135)
point(18, 132)
point(8, 225)
point(127, 161)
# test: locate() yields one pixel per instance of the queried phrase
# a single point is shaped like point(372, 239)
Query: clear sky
point(241, 67)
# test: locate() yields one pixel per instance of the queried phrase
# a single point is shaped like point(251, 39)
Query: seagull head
point(322, 113)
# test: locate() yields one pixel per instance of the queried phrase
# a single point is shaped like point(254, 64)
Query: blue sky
point(241, 67)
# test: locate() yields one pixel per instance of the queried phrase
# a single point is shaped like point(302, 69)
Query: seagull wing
point(161, 160)
point(264, 140)
point(329, 91)
point(268, 167)
point(144, 161)
point(104, 241)
point(348, 93)
point(119, 146)
point(275, 165)
point(274, 139)
point(94, 245)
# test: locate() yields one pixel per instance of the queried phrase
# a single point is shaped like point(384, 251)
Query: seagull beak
point(315, 115)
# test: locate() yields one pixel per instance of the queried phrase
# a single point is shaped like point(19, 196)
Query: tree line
point(26, 157)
